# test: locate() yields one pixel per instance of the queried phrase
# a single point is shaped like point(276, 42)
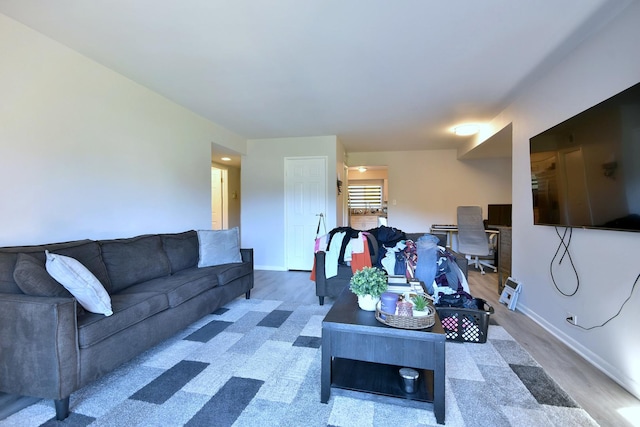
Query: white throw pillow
point(219, 247)
point(82, 284)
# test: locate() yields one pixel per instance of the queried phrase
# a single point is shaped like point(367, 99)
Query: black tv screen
point(585, 171)
point(499, 215)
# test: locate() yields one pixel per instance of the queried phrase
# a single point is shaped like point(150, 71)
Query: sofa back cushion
point(85, 251)
point(89, 255)
point(181, 249)
point(134, 260)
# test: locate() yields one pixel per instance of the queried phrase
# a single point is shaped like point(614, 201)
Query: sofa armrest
point(321, 279)
point(462, 262)
point(247, 255)
point(39, 353)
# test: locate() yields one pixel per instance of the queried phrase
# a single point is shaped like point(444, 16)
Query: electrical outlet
point(572, 318)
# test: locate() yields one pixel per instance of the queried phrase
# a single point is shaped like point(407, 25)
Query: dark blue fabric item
point(427, 266)
point(387, 237)
point(400, 267)
point(445, 275)
point(460, 299)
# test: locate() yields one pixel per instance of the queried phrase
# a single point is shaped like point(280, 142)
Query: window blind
point(365, 196)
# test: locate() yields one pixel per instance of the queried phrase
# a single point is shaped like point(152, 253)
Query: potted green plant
point(420, 302)
point(368, 283)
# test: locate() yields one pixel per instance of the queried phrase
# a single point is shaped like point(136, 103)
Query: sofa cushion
point(82, 284)
point(89, 254)
point(134, 260)
point(9, 255)
point(229, 272)
point(128, 310)
point(218, 247)
point(33, 279)
point(179, 287)
point(181, 249)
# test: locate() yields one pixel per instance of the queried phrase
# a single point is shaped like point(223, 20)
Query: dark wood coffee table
point(360, 353)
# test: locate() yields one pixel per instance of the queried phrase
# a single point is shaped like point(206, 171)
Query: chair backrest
point(472, 239)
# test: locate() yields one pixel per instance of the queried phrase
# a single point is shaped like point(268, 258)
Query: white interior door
point(305, 198)
point(216, 199)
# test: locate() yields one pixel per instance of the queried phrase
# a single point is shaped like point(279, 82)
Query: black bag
point(458, 300)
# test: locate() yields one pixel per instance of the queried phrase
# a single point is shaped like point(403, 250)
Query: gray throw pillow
point(219, 247)
point(78, 280)
point(33, 279)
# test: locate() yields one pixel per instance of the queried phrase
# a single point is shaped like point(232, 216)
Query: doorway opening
point(225, 188)
point(219, 197)
point(368, 190)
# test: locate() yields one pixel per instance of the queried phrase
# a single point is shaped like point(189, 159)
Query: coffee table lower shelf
point(380, 379)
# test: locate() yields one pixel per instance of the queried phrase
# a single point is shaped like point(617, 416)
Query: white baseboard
point(270, 267)
point(609, 370)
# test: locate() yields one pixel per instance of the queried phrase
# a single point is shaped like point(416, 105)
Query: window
point(365, 196)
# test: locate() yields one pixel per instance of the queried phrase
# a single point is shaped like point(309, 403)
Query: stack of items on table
point(345, 250)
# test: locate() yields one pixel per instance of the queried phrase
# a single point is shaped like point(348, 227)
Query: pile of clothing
point(389, 249)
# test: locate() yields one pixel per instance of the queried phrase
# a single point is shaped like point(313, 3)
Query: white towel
point(357, 244)
point(332, 255)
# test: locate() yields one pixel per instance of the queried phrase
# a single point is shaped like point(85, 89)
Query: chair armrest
point(39, 353)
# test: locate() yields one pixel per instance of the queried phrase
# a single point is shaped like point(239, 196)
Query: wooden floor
point(600, 396)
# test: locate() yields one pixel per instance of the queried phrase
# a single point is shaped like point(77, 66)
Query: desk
point(450, 230)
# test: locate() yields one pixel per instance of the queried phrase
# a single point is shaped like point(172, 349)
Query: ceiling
point(381, 75)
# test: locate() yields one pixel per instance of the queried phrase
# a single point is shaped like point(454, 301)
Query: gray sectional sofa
point(50, 346)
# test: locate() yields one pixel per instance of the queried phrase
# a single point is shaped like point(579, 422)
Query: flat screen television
point(499, 215)
point(585, 171)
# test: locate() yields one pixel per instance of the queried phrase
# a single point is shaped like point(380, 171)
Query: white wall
point(263, 205)
point(427, 186)
point(606, 261)
point(87, 153)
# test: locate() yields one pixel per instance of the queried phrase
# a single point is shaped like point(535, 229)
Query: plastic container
point(466, 324)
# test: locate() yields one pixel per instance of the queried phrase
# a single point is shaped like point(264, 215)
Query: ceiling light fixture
point(225, 159)
point(466, 129)
point(362, 169)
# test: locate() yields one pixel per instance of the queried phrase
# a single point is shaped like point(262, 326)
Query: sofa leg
point(62, 408)
point(321, 300)
point(247, 295)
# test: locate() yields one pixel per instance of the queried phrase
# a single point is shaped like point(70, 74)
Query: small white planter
point(368, 302)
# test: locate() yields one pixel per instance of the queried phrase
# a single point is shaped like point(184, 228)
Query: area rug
point(257, 363)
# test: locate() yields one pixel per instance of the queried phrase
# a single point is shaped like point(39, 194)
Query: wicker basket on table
point(425, 320)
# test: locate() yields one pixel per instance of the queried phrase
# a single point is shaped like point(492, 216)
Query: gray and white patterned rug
point(257, 363)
